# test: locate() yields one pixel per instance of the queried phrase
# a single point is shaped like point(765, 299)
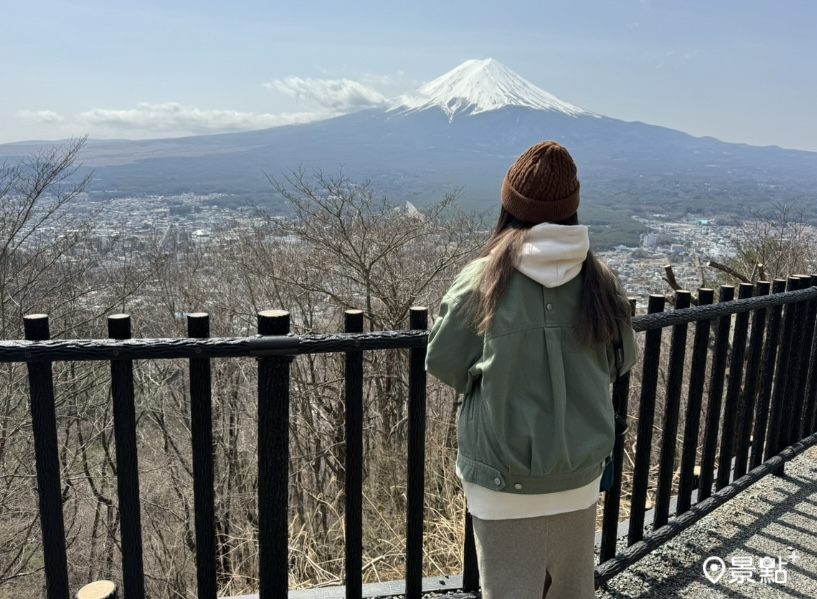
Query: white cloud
point(322, 98)
point(172, 117)
point(328, 98)
point(169, 119)
point(340, 95)
point(48, 117)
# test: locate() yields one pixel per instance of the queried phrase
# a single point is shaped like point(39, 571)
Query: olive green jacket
point(537, 415)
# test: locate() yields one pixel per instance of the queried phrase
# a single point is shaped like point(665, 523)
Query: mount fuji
point(478, 86)
point(463, 130)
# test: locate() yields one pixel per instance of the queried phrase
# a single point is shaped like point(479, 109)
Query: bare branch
point(727, 270)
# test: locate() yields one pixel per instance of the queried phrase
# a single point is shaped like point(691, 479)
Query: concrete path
point(776, 518)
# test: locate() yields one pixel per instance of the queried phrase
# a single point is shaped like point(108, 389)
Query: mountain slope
point(464, 130)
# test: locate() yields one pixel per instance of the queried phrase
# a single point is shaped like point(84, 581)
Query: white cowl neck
point(554, 254)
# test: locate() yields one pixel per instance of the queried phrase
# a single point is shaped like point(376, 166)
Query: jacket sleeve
point(629, 342)
point(454, 347)
point(630, 347)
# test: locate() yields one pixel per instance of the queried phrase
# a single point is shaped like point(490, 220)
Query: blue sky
point(739, 70)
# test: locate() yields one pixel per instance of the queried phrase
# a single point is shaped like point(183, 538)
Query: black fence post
point(470, 568)
point(612, 498)
point(273, 462)
point(697, 377)
point(353, 515)
point(778, 427)
point(750, 389)
point(672, 406)
point(809, 314)
point(793, 406)
point(201, 429)
point(761, 429)
point(46, 455)
point(646, 417)
point(713, 409)
point(811, 384)
point(416, 459)
point(730, 411)
point(127, 464)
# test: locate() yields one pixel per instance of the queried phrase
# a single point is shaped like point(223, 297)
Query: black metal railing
point(746, 423)
point(766, 417)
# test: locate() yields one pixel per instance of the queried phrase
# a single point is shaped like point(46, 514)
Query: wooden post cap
point(101, 589)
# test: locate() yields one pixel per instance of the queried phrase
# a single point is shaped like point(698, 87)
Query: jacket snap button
point(517, 486)
point(497, 482)
point(550, 306)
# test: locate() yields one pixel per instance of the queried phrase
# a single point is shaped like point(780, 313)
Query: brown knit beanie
point(542, 187)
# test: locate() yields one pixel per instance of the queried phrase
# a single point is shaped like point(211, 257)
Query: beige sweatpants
point(517, 557)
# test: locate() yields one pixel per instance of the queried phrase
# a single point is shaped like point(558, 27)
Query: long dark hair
point(603, 310)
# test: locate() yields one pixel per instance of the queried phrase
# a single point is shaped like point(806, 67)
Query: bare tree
point(39, 238)
point(774, 244)
point(360, 250)
point(345, 246)
point(49, 263)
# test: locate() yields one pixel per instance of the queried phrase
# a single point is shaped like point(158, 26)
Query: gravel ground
point(776, 517)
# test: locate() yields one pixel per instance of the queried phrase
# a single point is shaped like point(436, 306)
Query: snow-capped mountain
point(462, 130)
point(481, 86)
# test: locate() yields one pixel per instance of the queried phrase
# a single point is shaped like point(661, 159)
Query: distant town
point(687, 246)
point(174, 222)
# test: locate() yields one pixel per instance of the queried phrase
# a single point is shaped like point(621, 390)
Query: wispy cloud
point(48, 117)
point(172, 116)
point(323, 98)
point(167, 119)
point(340, 95)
